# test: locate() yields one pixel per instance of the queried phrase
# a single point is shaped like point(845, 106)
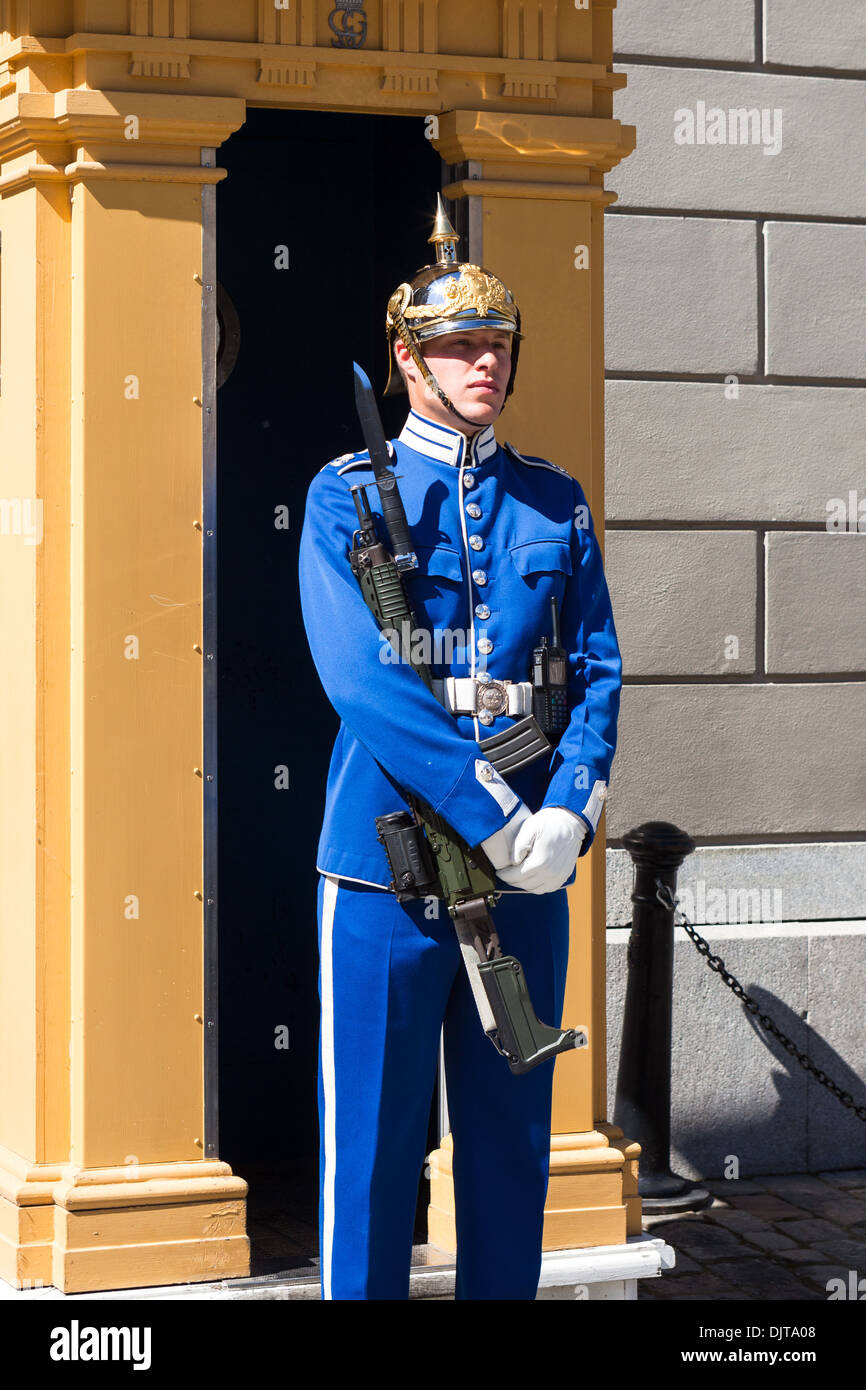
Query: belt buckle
point(491, 697)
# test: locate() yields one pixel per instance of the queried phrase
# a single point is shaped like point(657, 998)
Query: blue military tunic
point(496, 534)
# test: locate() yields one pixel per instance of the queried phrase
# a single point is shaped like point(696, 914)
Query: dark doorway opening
point(319, 219)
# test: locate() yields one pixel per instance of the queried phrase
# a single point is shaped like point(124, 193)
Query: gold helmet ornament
point(447, 297)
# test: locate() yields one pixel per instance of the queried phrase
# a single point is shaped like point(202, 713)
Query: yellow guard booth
point(111, 117)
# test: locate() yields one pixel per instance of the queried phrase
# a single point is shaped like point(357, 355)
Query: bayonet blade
point(393, 513)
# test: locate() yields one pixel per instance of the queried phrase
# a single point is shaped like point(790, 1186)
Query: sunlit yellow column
point(534, 186)
point(104, 1182)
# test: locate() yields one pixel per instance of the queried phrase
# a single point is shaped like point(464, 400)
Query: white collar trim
point(445, 445)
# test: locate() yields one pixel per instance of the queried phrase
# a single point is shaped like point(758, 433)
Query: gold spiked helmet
point(447, 297)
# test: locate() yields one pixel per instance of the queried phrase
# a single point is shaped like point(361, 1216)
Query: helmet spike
point(444, 237)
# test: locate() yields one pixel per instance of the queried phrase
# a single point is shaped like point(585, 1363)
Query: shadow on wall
point(802, 1127)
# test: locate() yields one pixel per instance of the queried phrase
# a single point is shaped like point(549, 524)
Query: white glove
point(500, 845)
point(553, 837)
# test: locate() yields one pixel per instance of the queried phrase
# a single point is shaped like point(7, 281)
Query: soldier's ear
point(397, 375)
point(404, 361)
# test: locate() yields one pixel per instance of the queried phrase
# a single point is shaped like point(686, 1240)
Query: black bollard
point(643, 1087)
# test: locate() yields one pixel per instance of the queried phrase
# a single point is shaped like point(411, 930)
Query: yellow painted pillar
point(104, 1182)
point(534, 187)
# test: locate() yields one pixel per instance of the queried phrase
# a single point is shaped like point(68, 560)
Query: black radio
point(549, 676)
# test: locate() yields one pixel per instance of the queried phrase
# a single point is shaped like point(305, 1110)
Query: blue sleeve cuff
point(475, 817)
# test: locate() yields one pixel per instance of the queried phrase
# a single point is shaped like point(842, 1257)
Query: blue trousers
point(390, 976)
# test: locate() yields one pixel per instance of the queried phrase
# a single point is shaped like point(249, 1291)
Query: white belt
point(470, 695)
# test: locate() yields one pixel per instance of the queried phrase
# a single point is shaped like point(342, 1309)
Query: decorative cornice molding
point(410, 25)
point(415, 80)
point(281, 74)
point(541, 87)
point(506, 137)
point(30, 120)
point(85, 170)
point(152, 64)
point(512, 188)
point(159, 51)
point(295, 23)
point(164, 18)
point(521, 35)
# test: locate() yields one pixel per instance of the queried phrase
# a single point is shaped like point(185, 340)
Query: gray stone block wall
point(745, 760)
point(736, 407)
point(835, 37)
point(816, 597)
point(734, 1090)
point(685, 600)
point(741, 141)
point(684, 293)
point(736, 509)
point(693, 451)
point(700, 29)
point(814, 291)
point(824, 880)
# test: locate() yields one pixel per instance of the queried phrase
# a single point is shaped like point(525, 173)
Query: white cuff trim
point(498, 788)
point(593, 808)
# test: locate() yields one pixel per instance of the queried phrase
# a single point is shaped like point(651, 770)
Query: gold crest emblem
point(475, 289)
point(472, 289)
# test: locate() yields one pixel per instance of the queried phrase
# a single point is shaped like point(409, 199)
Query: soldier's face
point(472, 367)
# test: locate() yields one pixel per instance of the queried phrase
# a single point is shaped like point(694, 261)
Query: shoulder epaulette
point(534, 462)
point(361, 459)
point(345, 460)
point(354, 461)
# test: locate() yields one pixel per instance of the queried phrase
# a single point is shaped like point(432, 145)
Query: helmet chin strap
point(414, 350)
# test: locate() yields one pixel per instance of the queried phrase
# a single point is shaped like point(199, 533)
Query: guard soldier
point(497, 536)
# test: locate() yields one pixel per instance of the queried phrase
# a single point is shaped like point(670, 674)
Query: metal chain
point(667, 900)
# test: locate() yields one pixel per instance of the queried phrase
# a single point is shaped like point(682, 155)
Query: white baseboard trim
point(599, 1272)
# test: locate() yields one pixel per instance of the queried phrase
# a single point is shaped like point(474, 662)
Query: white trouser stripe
point(327, 967)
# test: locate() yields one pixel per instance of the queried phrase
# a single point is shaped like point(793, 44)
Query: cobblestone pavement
point(766, 1238)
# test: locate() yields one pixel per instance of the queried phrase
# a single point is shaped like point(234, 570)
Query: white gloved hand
point(500, 845)
point(553, 837)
